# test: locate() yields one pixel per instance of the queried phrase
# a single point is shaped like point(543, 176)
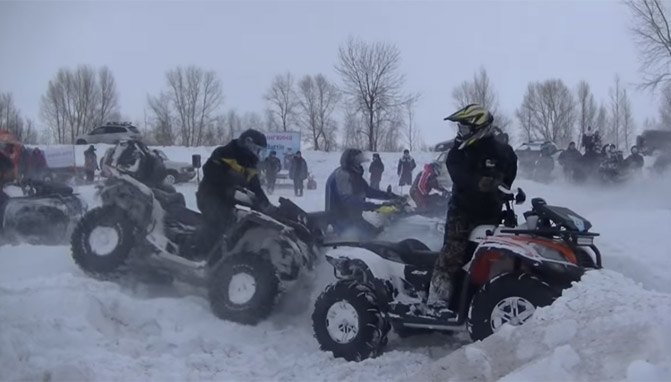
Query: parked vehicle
point(110, 133)
point(178, 172)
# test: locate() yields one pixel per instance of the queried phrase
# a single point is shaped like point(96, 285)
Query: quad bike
point(140, 228)
point(512, 271)
point(385, 218)
point(46, 215)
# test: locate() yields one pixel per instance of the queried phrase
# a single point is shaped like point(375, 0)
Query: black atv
point(46, 214)
point(140, 228)
point(512, 271)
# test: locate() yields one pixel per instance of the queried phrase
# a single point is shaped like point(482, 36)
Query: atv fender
point(350, 262)
point(498, 255)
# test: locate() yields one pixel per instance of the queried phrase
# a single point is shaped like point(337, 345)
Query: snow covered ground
point(58, 324)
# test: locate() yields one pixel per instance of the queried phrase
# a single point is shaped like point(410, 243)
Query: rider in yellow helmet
point(477, 163)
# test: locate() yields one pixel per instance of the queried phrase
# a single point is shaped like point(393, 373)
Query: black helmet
point(352, 159)
point(253, 140)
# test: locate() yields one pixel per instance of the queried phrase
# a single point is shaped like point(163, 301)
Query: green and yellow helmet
point(475, 122)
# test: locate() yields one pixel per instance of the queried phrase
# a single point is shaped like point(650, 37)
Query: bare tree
point(665, 108)
point(282, 101)
point(196, 96)
point(109, 98)
point(481, 91)
point(412, 135)
point(252, 120)
point(548, 111)
point(586, 107)
point(372, 82)
point(615, 133)
point(650, 27)
point(353, 136)
point(628, 126)
point(317, 99)
point(77, 100)
point(161, 119)
point(601, 121)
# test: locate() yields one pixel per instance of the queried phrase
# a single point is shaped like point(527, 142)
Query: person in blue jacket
point(346, 193)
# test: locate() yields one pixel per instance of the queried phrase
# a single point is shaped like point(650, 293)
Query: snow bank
point(59, 324)
point(604, 328)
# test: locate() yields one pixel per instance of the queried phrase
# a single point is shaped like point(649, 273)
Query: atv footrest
point(445, 322)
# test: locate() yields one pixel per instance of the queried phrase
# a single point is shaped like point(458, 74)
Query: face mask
point(463, 130)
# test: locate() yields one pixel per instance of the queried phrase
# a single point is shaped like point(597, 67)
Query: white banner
point(59, 156)
point(284, 143)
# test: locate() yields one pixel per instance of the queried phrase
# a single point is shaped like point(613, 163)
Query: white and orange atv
point(512, 271)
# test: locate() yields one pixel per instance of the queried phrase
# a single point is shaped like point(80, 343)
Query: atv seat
point(414, 252)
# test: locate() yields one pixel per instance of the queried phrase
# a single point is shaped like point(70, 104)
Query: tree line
point(367, 107)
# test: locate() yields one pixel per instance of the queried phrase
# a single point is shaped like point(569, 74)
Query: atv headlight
point(548, 253)
point(585, 240)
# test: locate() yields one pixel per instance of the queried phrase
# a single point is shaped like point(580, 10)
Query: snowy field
point(58, 324)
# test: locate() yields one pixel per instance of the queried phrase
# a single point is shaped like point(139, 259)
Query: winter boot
point(440, 291)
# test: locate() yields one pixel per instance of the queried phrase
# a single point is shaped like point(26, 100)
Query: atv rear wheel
point(509, 298)
point(348, 322)
point(102, 241)
point(243, 288)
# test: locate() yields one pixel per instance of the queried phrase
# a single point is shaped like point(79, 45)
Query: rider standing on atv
point(230, 167)
point(272, 166)
point(478, 164)
point(346, 193)
point(376, 169)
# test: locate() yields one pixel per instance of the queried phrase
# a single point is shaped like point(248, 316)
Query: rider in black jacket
point(478, 164)
point(230, 167)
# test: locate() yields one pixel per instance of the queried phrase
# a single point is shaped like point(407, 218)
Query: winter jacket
point(376, 168)
point(229, 167)
point(634, 161)
point(299, 169)
point(569, 157)
point(272, 165)
point(346, 193)
point(404, 170)
point(90, 160)
point(487, 158)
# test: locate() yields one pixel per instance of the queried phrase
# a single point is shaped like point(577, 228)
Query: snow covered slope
point(58, 324)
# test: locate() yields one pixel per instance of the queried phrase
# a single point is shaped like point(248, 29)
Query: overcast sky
point(247, 43)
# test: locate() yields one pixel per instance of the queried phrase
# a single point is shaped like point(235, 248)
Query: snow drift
point(59, 324)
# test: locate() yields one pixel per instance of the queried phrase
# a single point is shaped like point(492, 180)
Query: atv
point(512, 271)
point(46, 214)
point(143, 229)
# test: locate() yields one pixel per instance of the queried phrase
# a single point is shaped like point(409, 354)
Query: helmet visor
point(464, 130)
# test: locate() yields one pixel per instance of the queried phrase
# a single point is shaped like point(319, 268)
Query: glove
point(488, 184)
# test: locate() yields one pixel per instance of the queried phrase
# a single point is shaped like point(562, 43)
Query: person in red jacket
point(425, 182)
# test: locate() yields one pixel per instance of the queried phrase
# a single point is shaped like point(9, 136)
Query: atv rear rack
point(570, 237)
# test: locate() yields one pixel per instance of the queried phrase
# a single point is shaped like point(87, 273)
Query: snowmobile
point(147, 229)
point(512, 271)
point(46, 214)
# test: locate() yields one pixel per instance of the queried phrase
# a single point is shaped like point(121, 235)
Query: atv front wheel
point(348, 322)
point(510, 298)
point(243, 288)
point(102, 241)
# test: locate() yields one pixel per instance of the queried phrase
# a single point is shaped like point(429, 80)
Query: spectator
point(405, 166)
point(376, 169)
point(272, 166)
point(635, 160)
point(298, 172)
point(288, 159)
point(38, 164)
point(569, 158)
point(90, 163)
